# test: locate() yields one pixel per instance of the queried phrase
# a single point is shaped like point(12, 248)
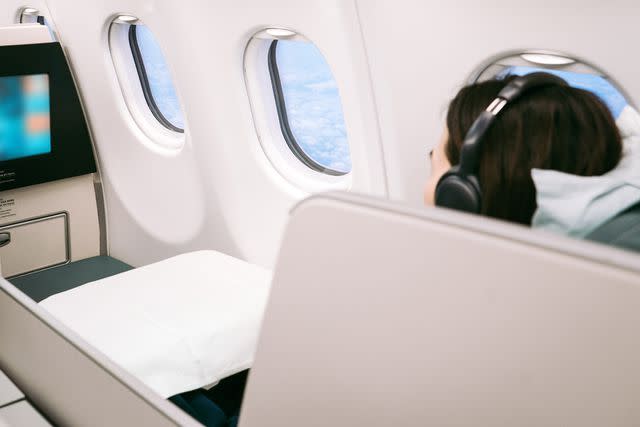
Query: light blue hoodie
point(576, 205)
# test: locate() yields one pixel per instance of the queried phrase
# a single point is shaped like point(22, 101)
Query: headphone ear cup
point(458, 191)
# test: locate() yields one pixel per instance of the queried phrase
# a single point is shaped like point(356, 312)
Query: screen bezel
point(71, 150)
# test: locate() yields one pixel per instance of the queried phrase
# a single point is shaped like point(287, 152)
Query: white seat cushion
point(177, 325)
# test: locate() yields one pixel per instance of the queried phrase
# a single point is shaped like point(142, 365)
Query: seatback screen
point(24, 116)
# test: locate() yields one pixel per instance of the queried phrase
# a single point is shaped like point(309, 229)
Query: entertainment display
point(24, 116)
point(43, 132)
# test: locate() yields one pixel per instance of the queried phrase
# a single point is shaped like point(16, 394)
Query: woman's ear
point(439, 165)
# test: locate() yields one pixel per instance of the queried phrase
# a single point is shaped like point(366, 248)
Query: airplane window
point(576, 73)
point(155, 78)
point(309, 107)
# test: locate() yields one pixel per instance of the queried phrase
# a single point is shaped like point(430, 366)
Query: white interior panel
point(35, 244)
point(74, 196)
point(8, 391)
point(384, 316)
point(10, 13)
point(24, 34)
point(421, 52)
point(22, 414)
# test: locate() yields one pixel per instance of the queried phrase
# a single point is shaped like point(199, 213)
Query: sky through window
point(313, 104)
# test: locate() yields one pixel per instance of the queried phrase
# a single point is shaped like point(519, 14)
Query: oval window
point(155, 78)
point(147, 85)
point(309, 107)
point(576, 73)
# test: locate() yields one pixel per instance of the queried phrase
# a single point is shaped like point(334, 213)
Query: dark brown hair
point(554, 127)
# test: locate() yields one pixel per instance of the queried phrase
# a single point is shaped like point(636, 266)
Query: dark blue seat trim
point(43, 284)
point(622, 231)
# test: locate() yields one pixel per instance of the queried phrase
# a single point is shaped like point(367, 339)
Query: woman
point(554, 127)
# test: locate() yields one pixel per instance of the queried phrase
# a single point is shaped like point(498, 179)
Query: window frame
point(144, 81)
point(578, 65)
point(283, 118)
point(22, 18)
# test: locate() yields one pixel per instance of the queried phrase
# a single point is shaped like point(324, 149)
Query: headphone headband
point(470, 151)
point(459, 188)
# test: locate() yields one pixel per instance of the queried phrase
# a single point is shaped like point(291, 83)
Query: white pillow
point(177, 325)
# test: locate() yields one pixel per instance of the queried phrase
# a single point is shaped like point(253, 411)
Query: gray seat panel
point(43, 284)
point(622, 231)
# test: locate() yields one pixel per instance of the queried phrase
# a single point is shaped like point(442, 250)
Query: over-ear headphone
point(459, 188)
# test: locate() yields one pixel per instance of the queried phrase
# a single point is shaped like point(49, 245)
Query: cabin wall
point(219, 191)
point(396, 63)
point(422, 52)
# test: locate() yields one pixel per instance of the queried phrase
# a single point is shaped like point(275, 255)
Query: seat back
point(381, 315)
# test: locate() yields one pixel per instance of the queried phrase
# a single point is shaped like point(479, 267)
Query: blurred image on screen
point(24, 116)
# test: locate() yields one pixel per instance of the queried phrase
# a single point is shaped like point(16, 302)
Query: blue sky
point(310, 92)
point(591, 82)
point(160, 82)
point(313, 104)
point(24, 116)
